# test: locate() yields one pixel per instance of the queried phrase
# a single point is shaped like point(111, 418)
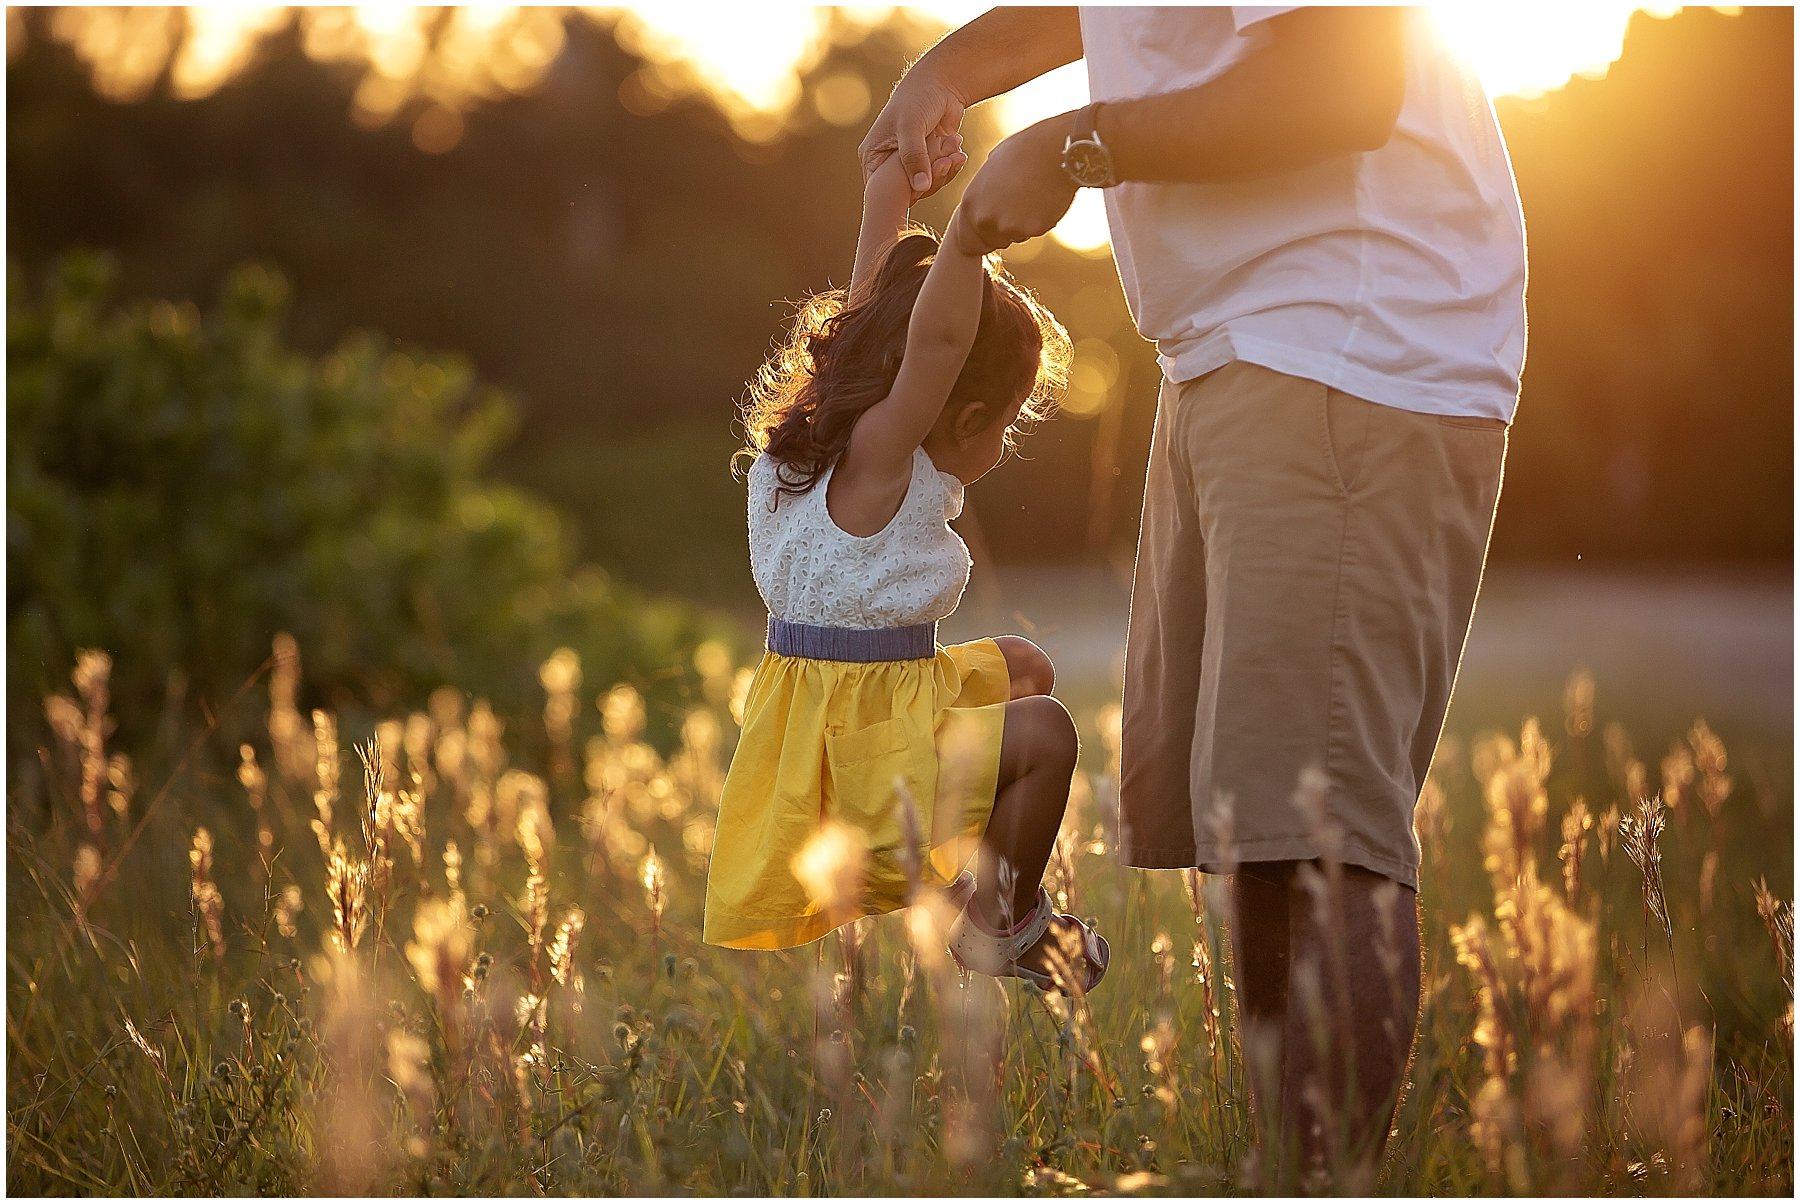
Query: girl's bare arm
point(938, 338)
point(886, 198)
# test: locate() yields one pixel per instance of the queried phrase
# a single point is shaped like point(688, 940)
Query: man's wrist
point(935, 69)
point(1086, 158)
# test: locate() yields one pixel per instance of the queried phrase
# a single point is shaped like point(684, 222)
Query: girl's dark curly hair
point(840, 359)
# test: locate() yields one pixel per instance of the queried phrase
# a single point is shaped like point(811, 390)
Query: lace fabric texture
point(810, 570)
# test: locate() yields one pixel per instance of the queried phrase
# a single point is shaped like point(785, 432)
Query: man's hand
point(946, 156)
point(994, 53)
point(921, 107)
point(1022, 190)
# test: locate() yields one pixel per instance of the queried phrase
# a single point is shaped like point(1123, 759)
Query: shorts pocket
point(1472, 422)
point(866, 768)
point(1344, 421)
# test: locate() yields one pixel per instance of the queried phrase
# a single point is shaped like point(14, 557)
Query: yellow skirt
point(811, 833)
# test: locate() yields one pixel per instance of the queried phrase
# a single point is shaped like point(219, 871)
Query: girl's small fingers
point(944, 144)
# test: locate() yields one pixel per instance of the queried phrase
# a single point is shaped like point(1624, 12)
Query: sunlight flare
point(753, 63)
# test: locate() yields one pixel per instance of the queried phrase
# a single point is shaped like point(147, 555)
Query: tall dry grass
point(471, 967)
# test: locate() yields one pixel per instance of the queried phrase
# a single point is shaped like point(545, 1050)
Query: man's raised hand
point(919, 107)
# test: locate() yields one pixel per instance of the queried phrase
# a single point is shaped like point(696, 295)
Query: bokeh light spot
point(437, 130)
point(842, 99)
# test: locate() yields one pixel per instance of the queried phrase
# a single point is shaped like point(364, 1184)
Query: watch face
point(1089, 164)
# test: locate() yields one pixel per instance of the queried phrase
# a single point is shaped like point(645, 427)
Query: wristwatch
point(1084, 156)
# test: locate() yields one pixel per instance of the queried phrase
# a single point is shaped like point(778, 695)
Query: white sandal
point(996, 954)
point(960, 891)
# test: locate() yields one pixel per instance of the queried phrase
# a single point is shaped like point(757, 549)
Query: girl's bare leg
point(1027, 665)
point(1037, 760)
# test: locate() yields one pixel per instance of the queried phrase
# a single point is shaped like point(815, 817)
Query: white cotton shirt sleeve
point(1397, 274)
point(1243, 18)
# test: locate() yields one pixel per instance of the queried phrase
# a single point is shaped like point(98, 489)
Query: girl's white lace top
point(810, 570)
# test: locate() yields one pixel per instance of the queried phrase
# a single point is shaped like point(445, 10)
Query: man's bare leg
point(1334, 970)
point(1260, 956)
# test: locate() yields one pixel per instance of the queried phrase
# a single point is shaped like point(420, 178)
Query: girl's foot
point(1044, 948)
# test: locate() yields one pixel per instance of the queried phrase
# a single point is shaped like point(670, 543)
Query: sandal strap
point(961, 890)
point(994, 953)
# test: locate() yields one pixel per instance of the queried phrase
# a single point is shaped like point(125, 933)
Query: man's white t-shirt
point(1396, 274)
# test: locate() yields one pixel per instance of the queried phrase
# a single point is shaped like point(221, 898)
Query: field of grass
point(443, 956)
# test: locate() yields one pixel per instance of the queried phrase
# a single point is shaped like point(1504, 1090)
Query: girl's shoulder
point(928, 487)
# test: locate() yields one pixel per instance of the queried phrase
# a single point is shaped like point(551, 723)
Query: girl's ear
point(970, 421)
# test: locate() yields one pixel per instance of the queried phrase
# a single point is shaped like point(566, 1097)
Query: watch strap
point(1087, 124)
point(1083, 150)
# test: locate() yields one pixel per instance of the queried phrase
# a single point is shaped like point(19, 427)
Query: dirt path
point(1664, 647)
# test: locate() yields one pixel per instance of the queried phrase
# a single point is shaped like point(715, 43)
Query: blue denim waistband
point(917, 642)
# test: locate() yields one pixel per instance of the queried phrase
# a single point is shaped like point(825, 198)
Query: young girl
point(865, 427)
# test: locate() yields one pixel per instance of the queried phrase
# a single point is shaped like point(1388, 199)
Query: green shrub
point(182, 486)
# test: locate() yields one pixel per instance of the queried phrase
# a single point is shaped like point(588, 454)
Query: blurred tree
point(180, 487)
point(1657, 414)
point(615, 261)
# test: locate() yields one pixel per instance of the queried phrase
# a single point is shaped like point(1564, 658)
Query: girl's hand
point(947, 158)
point(920, 108)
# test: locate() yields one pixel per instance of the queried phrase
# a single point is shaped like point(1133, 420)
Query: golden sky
point(753, 61)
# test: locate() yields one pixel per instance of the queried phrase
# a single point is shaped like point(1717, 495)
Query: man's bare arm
point(1330, 82)
point(994, 53)
point(1003, 48)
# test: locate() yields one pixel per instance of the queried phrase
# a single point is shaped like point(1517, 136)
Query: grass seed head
point(562, 949)
point(87, 868)
point(1578, 703)
point(525, 799)
point(1641, 835)
point(65, 719)
point(289, 736)
point(1577, 822)
point(251, 777)
point(740, 694)
point(1709, 761)
point(655, 885)
point(1778, 919)
point(325, 765)
point(439, 950)
point(912, 838)
point(621, 714)
point(1222, 826)
point(209, 904)
point(287, 911)
point(830, 867)
point(121, 784)
point(346, 881)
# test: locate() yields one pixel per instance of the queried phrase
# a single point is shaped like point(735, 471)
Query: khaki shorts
point(1306, 573)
